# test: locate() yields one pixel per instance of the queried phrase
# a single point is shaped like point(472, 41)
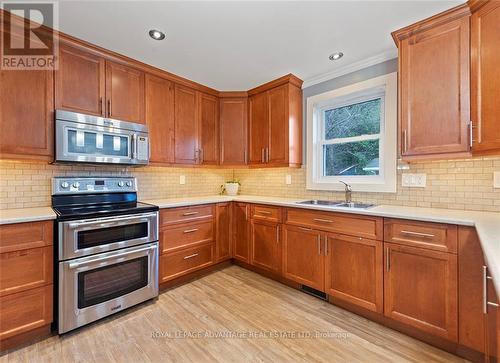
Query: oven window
point(96, 143)
point(109, 282)
point(102, 236)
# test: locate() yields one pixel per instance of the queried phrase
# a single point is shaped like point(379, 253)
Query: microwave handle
point(134, 146)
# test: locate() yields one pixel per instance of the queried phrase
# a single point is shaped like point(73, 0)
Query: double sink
point(328, 203)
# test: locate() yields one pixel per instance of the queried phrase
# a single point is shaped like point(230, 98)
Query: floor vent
point(313, 292)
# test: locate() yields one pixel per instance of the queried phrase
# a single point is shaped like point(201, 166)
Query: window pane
point(352, 158)
point(353, 120)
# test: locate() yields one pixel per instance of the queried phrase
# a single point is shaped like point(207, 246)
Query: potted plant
point(232, 186)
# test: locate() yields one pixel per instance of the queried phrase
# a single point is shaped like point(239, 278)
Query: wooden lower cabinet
point(241, 231)
point(303, 259)
point(265, 245)
point(223, 232)
point(179, 263)
point(354, 271)
point(420, 289)
point(492, 324)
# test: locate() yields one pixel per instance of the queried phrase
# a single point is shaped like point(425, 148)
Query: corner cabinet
point(275, 123)
point(208, 152)
point(233, 130)
point(434, 97)
point(241, 231)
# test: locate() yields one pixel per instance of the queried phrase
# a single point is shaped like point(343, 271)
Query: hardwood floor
point(233, 301)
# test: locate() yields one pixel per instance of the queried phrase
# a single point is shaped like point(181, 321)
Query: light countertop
point(8, 216)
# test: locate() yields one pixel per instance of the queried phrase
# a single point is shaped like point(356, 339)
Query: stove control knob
point(129, 183)
point(120, 184)
point(64, 185)
point(76, 185)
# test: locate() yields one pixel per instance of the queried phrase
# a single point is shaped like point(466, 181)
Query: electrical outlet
point(182, 179)
point(288, 179)
point(496, 179)
point(414, 180)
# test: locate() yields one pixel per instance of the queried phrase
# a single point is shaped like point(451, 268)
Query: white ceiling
point(235, 45)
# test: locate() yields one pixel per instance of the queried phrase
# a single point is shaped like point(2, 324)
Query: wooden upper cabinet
point(434, 110)
point(27, 114)
point(80, 81)
point(209, 129)
point(124, 93)
point(420, 289)
point(258, 128)
point(160, 118)
point(186, 125)
point(278, 125)
point(485, 78)
point(233, 131)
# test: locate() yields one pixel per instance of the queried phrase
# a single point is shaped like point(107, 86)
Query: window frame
point(384, 87)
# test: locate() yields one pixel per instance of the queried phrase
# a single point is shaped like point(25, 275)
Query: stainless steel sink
point(331, 203)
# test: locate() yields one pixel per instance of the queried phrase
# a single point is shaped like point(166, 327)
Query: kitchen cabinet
point(354, 271)
point(233, 131)
point(160, 119)
point(241, 232)
point(186, 125)
point(208, 153)
point(183, 262)
point(275, 123)
point(265, 237)
point(303, 256)
point(492, 321)
point(80, 81)
point(434, 97)
point(223, 232)
point(420, 289)
point(485, 77)
point(124, 92)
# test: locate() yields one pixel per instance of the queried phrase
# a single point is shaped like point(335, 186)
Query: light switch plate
point(288, 179)
point(182, 179)
point(496, 179)
point(414, 180)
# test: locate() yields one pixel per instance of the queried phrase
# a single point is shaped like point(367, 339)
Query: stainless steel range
point(107, 248)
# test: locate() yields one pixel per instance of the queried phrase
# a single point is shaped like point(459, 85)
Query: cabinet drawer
point(349, 224)
point(186, 214)
point(433, 236)
point(179, 263)
point(25, 311)
point(26, 269)
point(180, 236)
point(266, 212)
point(20, 236)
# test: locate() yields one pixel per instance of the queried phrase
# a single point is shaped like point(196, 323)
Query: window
point(352, 137)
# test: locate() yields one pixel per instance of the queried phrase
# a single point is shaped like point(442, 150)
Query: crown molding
point(353, 67)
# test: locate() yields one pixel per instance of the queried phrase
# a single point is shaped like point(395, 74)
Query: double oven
point(107, 248)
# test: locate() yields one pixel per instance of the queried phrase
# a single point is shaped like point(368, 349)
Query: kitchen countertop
point(8, 216)
point(487, 223)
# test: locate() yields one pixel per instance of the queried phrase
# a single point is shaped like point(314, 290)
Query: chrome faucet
point(348, 192)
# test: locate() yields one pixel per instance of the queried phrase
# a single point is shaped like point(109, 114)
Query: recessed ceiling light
point(336, 56)
point(156, 34)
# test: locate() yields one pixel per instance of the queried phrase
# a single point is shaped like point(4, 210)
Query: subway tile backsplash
point(455, 184)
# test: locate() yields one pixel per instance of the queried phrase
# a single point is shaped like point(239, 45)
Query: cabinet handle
point(277, 234)
point(263, 157)
point(189, 214)
point(305, 229)
point(487, 303)
point(322, 220)
point(101, 107)
point(244, 156)
point(109, 108)
point(246, 212)
point(190, 256)
point(326, 246)
point(405, 141)
point(267, 154)
point(418, 234)
point(387, 259)
point(319, 245)
point(191, 230)
point(263, 212)
point(470, 135)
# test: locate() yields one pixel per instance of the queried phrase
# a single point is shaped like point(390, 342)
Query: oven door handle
point(110, 221)
point(73, 265)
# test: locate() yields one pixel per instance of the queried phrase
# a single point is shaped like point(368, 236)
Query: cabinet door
point(258, 128)
point(265, 245)
point(186, 125)
point(209, 129)
point(124, 93)
point(233, 131)
point(26, 114)
point(485, 77)
point(223, 237)
point(492, 324)
point(420, 289)
point(160, 118)
point(278, 125)
point(241, 246)
point(80, 81)
point(303, 256)
point(354, 271)
point(434, 91)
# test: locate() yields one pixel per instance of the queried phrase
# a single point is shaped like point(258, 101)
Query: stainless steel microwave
point(84, 138)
